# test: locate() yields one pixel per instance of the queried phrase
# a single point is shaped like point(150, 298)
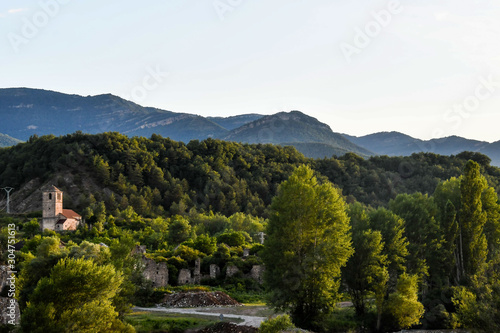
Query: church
point(54, 217)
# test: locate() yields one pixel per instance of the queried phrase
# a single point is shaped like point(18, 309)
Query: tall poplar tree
point(472, 218)
point(308, 241)
point(366, 268)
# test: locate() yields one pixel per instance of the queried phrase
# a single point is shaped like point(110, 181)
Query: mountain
point(493, 151)
point(233, 122)
point(399, 144)
point(7, 141)
point(297, 129)
point(25, 112)
point(387, 143)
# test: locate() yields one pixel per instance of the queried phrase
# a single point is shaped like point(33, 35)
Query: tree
point(75, 297)
point(31, 228)
point(179, 230)
point(392, 228)
point(449, 254)
point(403, 304)
point(205, 244)
point(307, 243)
point(423, 234)
point(473, 245)
point(363, 267)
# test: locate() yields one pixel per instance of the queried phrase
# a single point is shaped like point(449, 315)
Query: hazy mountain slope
point(290, 128)
point(398, 144)
point(233, 122)
point(493, 151)
point(388, 143)
point(454, 144)
point(25, 112)
point(7, 141)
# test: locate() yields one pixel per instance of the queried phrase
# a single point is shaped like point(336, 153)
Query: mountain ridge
point(27, 111)
point(295, 128)
point(399, 144)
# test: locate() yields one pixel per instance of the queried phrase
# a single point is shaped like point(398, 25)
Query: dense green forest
point(159, 176)
point(421, 233)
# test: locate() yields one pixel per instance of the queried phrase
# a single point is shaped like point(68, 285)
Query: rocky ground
point(198, 299)
point(224, 327)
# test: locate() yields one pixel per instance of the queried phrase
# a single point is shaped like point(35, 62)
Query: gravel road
point(247, 320)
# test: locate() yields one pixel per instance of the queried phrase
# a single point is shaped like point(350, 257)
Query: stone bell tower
point(52, 203)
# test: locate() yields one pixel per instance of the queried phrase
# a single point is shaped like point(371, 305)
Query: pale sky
point(427, 68)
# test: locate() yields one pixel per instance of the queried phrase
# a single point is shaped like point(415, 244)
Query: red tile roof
point(70, 214)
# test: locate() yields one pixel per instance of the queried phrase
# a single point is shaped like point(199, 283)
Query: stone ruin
point(158, 272)
point(188, 276)
point(257, 273)
point(231, 270)
point(214, 271)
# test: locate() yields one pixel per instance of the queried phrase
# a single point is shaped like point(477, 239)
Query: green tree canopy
point(75, 297)
point(307, 243)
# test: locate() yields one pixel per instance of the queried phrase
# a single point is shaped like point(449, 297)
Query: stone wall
point(157, 272)
point(71, 224)
point(197, 271)
point(231, 270)
point(214, 271)
point(257, 273)
point(184, 277)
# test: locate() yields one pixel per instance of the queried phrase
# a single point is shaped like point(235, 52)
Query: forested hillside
point(158, 175)
point(411, 241)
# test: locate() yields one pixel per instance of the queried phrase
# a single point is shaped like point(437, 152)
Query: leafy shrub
point(276, 325)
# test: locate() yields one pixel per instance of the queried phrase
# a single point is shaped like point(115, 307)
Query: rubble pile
point(198, 299)
point(224, 327)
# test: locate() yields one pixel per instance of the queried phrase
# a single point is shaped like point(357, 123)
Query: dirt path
point(253, 321)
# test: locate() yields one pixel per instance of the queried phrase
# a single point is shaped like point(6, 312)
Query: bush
point(345, 320)
point(277, 324)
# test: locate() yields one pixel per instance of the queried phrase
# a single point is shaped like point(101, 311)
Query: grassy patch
point(166, 322)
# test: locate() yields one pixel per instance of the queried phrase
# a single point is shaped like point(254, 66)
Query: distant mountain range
point(25, 112)
point(398, 144)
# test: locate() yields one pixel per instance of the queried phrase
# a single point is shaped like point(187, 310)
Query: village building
point(54, 216)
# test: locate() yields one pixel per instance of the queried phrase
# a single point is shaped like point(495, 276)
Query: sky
point(427, 68)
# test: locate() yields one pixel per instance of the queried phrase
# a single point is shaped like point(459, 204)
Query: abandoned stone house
point(54, 216)
point(158, 273)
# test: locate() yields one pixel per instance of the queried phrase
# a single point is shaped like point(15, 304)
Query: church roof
point(70, 214)
point(50, 188)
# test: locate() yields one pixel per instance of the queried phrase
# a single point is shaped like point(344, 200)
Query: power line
point(8, 189)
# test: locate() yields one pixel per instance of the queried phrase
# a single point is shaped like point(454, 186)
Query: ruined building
point(54, 217)
point(156, 272)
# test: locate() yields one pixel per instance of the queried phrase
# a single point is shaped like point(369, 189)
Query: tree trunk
point(379, 320)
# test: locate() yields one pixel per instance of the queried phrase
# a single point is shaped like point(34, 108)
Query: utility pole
point(8, 189)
